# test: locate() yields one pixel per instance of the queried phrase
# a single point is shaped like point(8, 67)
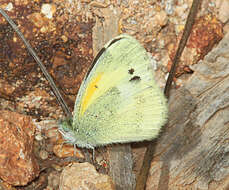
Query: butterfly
point(118, 100)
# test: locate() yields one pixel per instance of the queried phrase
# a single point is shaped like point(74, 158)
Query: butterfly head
point(65, 129)
point(72, 136)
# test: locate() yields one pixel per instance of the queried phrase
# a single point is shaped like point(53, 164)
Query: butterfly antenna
point(41, 65)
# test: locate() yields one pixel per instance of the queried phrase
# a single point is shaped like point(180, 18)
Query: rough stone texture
point(193, 151)
point(206, 33)
point(84, 176)
point(63, 151)
point(17, 163)
point(61, 40)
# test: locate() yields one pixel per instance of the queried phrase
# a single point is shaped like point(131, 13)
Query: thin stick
point(187, 30)
point(41, 65)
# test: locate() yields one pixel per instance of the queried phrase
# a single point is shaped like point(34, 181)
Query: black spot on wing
point(135, 78)
point(131, 71)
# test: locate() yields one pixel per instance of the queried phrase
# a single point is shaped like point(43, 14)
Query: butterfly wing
point(119, 100)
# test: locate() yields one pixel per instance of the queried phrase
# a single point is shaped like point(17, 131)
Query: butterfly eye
point(66, 124)
point(65, 128)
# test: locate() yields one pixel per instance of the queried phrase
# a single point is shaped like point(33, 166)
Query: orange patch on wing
point(92, 87)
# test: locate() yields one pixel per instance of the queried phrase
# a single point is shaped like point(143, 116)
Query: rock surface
point(84, 176)
point(17, 163)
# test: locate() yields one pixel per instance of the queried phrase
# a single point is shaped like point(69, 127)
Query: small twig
point(187, 30)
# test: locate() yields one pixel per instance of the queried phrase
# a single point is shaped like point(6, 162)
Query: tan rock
point(64, 151)
point(84, 176)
